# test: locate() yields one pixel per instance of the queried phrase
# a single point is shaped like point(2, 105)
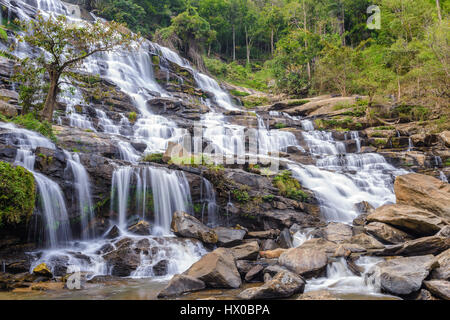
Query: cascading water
point(50, 204)
point(83, 193)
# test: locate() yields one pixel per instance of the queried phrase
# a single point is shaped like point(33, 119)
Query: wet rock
point(402, 276)
point(43, 270)
point(160, 268)
point(272, 254)
point(113, 233)
point(103, 279)
point(244, 266)
point(366, 241)
point(283, 285)
point(360, 220)
point(305, 262)
point(246, 251)
point(216, 269)
point(386, 233)
point(267, 234)
point(441, 268)
point(423, 295)
point(272, 270)
point(122, 261)
point(59, 265)
point(410, 219)
point(107, 247)
point(285, 239)
point(440, 288)
point(318, 295)
point(338, 232)
point(141, 228)
point(364, 207)
point(185, 225)
point(425, 192)
point(180, 284)
point(228, 237)
point(255, 274)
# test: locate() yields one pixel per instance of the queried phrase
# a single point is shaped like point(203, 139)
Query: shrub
point(240, 195)
point(132, 116)
point(288, 186)
point(17, 194)
point(238, 93)
point(280, 125)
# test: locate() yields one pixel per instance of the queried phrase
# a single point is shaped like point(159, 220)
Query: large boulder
point(407, 218)
point(216, 269)
point(445, 138)
point(440, 288)
point(442, 266)
point(246, 251)
point(386, 233)
point(403, 276)
point(283, 285)
point(366, 241)
point(180, 284)
point(338, 232)
point(123, 260)
point(42, 270)
point(425, 192)
point(141, 228)
point(285, 239)
point(307, 262)
point(185, 225)
point(228, 237)
point(426, 245)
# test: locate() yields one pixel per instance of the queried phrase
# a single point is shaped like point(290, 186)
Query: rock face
point(410, 219)
point(425, 192)
point(180, 284)
point(306, 262)
point(386, 233)
point(366, 241)
point(228, 237)
point(185, 225)
point(216, 269)
point(122, 261)
point(283, 285)
point(439, 288)
point(402, 276)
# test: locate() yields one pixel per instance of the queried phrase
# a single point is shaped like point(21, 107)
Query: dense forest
point(307, 47)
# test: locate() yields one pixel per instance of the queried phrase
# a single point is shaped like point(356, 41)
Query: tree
point(63, 47)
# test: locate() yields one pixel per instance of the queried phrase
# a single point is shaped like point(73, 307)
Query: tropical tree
point(63, 46)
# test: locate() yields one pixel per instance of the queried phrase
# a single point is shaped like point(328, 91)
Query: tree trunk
point(438, 5)
point(247, 44)
point(271, 42)
point(50, 101)
point(234, 43)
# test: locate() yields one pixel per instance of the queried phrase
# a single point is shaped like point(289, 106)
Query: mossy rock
point(17, 194)
point(43, 270)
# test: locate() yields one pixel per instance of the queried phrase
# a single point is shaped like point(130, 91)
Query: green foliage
point(238, 93)
point(288, 186)
point(3, 35)
point(240, 195)
point(17, 194)
point(153, 157)
point(280, 125)
point(414, 113)
point(30, 122)
point(251, 102)
point(268, 198)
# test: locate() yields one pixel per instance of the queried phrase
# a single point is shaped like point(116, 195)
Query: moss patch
point(288, 186)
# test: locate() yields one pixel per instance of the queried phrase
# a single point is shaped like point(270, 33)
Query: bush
point(132, 116)
point(17, 194)
point(288, 186)
point(241, 195)
point(280, 125)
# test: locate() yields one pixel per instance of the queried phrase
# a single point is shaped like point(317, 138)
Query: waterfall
point(50, 201)
point(105, 123)
point(169, 191)
point(83, 193)
point(208, 198)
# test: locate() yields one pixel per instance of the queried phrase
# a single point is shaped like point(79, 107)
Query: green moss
point(384, 128)
point(3, 34)
point(280, 125)
point(447, 162)
point(17, 194)
point(132, 116)
point(238, 93)
point(288, 186)
point(268, 198)
point(153, 157)
point(252, 101)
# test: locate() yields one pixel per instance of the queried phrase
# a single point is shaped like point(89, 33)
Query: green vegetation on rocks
point(17, 194)
point(288, 186)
